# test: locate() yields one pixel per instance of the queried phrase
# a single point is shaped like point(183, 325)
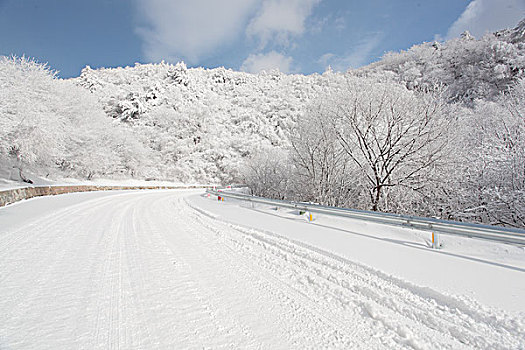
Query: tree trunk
point(375, 202)
point(25, 179)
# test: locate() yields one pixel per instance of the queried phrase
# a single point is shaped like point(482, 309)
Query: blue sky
point(299, 36)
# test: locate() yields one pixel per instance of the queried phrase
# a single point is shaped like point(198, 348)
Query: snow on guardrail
point(493, 233)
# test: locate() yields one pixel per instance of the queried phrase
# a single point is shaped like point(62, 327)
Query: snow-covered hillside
point(471, 69)
point(457, 107)
point(50, 127)
point(201, 123)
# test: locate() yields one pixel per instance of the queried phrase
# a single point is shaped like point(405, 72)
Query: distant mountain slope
point(202, 122)
point(166, 121)
point(471, 69)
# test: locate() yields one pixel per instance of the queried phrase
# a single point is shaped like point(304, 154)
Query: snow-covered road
point(147, 270)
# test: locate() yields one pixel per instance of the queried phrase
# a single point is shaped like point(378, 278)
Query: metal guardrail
point(493, 233)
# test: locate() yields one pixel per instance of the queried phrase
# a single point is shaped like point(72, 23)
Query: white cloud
point(482, 16)
point(268, 61)
point(280, 20)
point(340, 23)
point(179, 29)
point(326, 59)
point(317, 25)
point(192, 30)
point(358, 57)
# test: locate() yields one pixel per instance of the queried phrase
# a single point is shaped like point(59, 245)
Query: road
point(148, 270)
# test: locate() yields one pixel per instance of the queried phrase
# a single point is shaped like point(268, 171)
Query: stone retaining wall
point(18, 194)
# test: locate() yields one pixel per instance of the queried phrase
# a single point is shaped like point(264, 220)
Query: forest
point(436, 130)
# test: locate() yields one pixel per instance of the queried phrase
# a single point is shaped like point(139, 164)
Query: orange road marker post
point(435, 240)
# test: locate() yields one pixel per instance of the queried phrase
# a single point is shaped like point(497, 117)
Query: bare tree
point(391, 134)
point(493, 161)
point(267, 174)
point(321, 165)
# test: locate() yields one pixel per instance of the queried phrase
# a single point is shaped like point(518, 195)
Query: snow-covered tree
point(50, 124)
point(268, 173)
point(373, 137)
point(322, 170)
point(381, 133)
point(489, 175)
point(471, 69)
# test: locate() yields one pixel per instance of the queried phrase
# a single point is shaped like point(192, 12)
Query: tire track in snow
point(38, 263)
point(297, 322)
point(339, 333)
point(145, 270)
point(347, 332)
point(17, 238)
point(195, 309)
point(190, 257)
point(441, 320)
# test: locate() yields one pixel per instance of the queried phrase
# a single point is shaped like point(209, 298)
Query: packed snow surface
point(491, 273)
point(171, 269)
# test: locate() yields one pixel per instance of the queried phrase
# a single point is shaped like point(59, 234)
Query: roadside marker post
point(435, 240)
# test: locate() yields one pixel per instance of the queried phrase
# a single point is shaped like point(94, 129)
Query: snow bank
point(17, 194)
